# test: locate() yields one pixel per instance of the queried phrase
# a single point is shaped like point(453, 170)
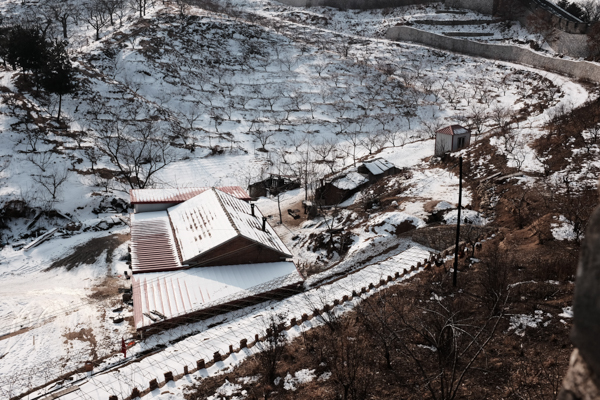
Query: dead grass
point(511, 367)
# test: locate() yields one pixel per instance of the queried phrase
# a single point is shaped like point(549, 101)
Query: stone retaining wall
point(355, 4)
point(481, 6)
point(455, 22)
point(578, 69)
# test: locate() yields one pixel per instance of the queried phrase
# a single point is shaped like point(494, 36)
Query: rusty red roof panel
point(179, 195)
point(453, 130)
point(153, 246)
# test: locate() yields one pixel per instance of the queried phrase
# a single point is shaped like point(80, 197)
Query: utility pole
point(454, 277)
point(279, 206)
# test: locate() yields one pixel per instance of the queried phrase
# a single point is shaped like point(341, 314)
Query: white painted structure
point(451, 138)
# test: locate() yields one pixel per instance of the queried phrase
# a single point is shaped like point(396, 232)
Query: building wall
point(443, 143)
point(237, 251)
point(330, 195)
point(456, 138)
point(578, 69)
point(482, 6)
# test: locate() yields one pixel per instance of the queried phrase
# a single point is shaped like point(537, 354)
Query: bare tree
point(478, 118)
point(41, 160)
point(373, 142)
point(93, 154)
point(429, 127)
point(53, 180)
point(354, 137)
point(263, 136)
point(4, 163)
point(112, 7)
point(31, 138)
point(439, 343)
point(61, 11)
point(95, 16)
point(272, 347)
point(326, 151)
point(137, 150)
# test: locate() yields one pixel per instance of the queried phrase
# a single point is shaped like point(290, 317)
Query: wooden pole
point(455, 275)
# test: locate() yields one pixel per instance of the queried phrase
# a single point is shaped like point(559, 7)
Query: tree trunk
point(59, 108)
point(64, 26)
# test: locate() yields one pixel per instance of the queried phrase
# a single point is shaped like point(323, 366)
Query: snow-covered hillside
point(232, 96)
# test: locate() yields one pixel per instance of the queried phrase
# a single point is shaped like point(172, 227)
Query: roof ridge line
point(175, 238)
point(235, 227)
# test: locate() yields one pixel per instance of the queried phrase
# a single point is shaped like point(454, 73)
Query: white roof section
point(179, 195)
point(378, 166)
point(164, 295)
point(153, 246)
point(213, 218)
point(350, 181)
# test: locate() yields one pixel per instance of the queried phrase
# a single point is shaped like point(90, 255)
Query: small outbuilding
point(273, 185)
point(451, 138)
point(340, 188)
point(377, 168)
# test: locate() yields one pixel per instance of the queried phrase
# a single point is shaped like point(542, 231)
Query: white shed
point(451, 138)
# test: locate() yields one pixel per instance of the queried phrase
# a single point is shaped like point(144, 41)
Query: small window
point(461, 142)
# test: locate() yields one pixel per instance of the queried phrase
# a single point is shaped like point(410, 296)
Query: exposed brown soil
point(108, 288)
point(89, 252)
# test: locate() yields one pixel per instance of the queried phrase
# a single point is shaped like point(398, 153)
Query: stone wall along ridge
point(577, 69)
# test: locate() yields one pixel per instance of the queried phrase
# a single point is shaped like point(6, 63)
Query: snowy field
point(264, 89)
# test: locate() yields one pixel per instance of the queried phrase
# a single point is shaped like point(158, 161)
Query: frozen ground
point(316, 94)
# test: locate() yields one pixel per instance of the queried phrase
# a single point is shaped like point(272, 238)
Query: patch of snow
point(466, 217)
point(227, 389)
point(563, 230)
point(567, 312)
point(443, 205)
point(300, 377)
point(388, 222)
point(520, 322)
point(246, 380)
point(324, 376)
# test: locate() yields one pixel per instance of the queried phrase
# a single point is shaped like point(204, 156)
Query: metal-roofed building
point(209, 251)
point(377, 168)
point(178, 296)
point(339, 187)
point(215, 228)
point(451, 138)
point(146, 200)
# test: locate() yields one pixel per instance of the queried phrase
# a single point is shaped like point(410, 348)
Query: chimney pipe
point(252, 207)
point(264, 224)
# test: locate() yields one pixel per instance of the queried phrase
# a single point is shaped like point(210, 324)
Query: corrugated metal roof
point(164, 295)
point(453, 130)
point(378, 166)
point(350, 181)
point(153, 246)
point(213, 218)
point(179, 195)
